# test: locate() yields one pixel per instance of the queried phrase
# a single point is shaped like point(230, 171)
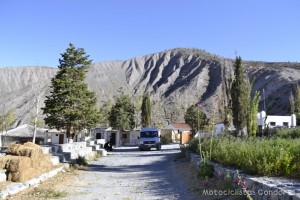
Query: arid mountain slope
point(175, 79)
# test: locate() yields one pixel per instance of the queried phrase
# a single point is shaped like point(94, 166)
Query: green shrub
point(260, 156)
point(206, 170)
point(81, 161)
point(288, 133)
point(193, 145)
point(165, 140)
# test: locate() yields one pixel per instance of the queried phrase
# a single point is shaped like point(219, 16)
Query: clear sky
point(35, 32)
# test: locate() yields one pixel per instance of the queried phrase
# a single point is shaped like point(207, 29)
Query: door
point(61, 138)
point(113, 138)
point(98, 135)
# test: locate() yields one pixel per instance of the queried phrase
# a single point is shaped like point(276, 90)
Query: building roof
point(25, 130)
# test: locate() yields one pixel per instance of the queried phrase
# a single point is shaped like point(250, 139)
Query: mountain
point(175, 79)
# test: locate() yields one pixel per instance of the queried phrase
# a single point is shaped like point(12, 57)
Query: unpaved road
point(128, 174)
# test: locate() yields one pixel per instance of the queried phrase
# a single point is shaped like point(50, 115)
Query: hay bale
point(28, 149)
point(17, 163)
point(23, 175)
point(29, 162)
point(42, 163)
point(3, 161)
point(24, 168)
point(31, 145)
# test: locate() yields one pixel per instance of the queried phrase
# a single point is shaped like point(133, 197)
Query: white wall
point(219, 128)
point(275, 120)
point(55, 138)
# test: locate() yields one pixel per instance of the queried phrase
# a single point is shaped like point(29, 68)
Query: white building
point(275, 121)
point(263, 121)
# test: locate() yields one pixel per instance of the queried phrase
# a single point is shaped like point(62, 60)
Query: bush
point(260, 156)
point(288, 133)
point(206, 170)
point(165, 140)
point(81, 161)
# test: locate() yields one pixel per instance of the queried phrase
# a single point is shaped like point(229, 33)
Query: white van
point(149, 138)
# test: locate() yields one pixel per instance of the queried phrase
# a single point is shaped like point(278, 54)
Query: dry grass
point(49, 189)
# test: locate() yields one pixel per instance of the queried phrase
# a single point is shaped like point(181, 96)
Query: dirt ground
point(51, 188)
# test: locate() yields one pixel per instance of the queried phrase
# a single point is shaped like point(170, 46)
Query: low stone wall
point(68, 147)
point(76, 149)
point(260, 188)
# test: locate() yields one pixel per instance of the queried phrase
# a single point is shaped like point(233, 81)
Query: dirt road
point(128, 174)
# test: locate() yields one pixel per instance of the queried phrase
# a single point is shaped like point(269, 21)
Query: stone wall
point(260, 188)
point(77, 149)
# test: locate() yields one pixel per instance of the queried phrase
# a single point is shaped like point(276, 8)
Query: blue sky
point(36, 32)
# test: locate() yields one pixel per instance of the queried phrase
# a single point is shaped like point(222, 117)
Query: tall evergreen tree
point(239, 97)
point(121, 116)
point(71, 105)
point(146, 110)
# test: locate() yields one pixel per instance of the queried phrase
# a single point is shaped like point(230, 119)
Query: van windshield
point(149, 134)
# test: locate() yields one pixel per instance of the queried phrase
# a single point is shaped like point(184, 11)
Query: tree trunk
point(35, 119)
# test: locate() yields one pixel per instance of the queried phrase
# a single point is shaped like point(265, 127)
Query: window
point(149, 134)
point(286, 124)
point(124, 136)
point(272, 123)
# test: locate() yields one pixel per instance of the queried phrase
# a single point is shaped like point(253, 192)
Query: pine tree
point(71, 105)
point(121, 116)
point(239, 97)
point(146, 111)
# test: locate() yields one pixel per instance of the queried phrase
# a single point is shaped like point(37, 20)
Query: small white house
point(60, 136)
point(107, 133)
point(275, 121)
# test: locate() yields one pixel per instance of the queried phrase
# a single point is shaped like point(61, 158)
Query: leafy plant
point(81, 161)
point(260, 156)
point(206, 170)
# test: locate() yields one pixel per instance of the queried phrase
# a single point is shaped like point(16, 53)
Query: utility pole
point(264, 101)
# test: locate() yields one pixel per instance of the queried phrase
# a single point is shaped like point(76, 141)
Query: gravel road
point(127, 174)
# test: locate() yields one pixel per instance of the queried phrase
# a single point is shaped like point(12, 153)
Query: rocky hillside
point(175, 78)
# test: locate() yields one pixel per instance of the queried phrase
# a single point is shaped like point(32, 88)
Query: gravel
point(127, 173)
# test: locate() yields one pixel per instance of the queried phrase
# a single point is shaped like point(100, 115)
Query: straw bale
point(32, 145)
point(17, 163)
point(28, 149)
point(42, 163)
point(23, 175)
point(3, 161)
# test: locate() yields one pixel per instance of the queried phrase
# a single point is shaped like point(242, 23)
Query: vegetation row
point(275, 156)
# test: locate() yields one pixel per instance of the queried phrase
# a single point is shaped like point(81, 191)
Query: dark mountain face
point(175, 80)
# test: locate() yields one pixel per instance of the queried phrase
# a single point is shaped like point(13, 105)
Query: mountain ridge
point(175, 79)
